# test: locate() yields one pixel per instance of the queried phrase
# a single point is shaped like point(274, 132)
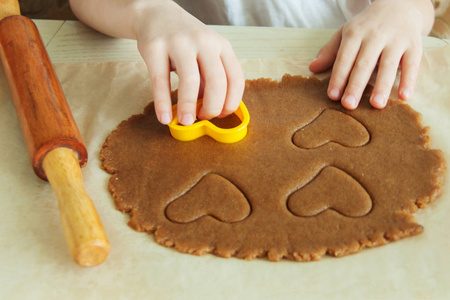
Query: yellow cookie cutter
point(205, 127)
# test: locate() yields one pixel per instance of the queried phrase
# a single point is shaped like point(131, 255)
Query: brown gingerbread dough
point(310, 178)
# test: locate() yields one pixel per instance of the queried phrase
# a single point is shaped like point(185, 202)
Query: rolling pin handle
point(82, 227)
point(9, 8)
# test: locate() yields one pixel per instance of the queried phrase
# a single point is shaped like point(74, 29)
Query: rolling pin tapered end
point(92, 254)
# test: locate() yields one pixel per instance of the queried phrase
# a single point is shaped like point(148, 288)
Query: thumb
point(327, 55)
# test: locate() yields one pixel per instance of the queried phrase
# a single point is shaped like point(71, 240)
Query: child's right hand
point(170, 39)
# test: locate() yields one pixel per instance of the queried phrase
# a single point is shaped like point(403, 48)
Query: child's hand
point(387, 33)
point(169, 39)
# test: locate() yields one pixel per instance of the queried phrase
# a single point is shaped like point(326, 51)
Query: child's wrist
point(143, 10)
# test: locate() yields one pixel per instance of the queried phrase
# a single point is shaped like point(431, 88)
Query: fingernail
point(318, 55)
point(406, 93)
point(187, 120)
point(350, 101)
point(334, 93)
point(165, 118)
point(379, 100)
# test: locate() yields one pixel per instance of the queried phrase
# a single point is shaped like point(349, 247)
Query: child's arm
point(388, 33)
point(170, 39)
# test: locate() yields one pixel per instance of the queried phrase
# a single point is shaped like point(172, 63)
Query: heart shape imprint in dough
point(213, 196)
point(331, 189)
point(332, 126)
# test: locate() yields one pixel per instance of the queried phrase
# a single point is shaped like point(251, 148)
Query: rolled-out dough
point(310, 178)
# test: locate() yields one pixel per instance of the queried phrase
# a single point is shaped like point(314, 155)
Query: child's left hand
point(388, 33)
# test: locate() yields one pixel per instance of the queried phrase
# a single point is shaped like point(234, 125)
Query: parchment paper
point(35, 262)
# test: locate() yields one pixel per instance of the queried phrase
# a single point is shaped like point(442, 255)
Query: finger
point(345, 59)
point(188, 87)
point(202, 88)
point(158, 66)
point(215, 85)
point(327, 55)
point(410, 66)
point(235, 79)
point(387, 72)
point(360, 74)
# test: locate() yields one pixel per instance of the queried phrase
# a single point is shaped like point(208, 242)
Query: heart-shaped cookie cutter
point(205, 127)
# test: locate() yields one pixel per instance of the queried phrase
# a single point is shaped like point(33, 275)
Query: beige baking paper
point(35, 262)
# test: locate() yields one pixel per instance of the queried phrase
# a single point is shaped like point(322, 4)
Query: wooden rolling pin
point(51, 134)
